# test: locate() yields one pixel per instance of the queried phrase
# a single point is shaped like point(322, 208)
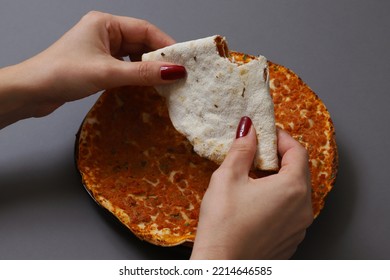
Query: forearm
point(14, 97)
point(21, 93)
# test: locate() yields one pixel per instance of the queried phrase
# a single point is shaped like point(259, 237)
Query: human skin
point(265, 218)
point(85, 60)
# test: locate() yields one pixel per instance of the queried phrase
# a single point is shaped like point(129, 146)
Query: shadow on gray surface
point(323, 236)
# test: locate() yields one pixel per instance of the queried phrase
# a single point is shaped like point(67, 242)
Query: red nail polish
point(173, 72)
point(243, 127)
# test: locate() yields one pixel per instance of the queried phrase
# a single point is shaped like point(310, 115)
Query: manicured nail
point(173, 72)
point(243, 127)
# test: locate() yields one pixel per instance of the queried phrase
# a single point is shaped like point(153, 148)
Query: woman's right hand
point(265, 218)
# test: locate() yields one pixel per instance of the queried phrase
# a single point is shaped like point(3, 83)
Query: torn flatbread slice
point(207, 106)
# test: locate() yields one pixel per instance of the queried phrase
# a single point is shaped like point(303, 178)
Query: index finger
point(294, 155)
point(141, 32)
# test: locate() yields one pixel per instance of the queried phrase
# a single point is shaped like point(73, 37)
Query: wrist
point(22, 93)
point(13, 96)
point(211, 252)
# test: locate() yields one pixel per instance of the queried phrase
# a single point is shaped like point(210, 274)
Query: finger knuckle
point(144, 73)
point(300, 192)
point(146, 26)
point(221, 172)
point(298, 188)
point(308, 217)
point(301, 236)
point(243, 147)
point(144, 23)
point(105, 71)
point(93, 15)
point(223, 175)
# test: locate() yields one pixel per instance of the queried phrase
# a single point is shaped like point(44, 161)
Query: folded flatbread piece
point(207, 106)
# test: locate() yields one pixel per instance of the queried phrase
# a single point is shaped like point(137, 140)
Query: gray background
point(340, 48)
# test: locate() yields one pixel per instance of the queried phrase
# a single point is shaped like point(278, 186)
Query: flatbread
point(207, 106)
point(136, 165)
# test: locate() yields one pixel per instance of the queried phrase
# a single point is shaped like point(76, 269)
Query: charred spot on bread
point(222, 46)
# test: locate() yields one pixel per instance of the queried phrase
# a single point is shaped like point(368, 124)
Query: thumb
point(240, 156)
point(145, 73)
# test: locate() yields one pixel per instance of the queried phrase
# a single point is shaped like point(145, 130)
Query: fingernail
point(173, 72)
point(243, 127)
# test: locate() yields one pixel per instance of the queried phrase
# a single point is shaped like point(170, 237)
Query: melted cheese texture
point(136, 165)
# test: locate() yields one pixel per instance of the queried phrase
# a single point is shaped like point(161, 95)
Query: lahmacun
point(136, 165)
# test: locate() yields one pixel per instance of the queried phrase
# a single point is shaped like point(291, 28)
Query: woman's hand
point(85, 60)
point(245, 218)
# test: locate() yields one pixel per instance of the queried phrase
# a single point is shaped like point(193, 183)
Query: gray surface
point(340, 48)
